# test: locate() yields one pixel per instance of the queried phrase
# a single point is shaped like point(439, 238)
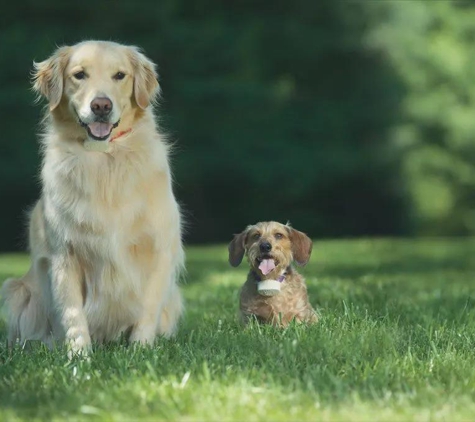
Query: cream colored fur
point(105, 237)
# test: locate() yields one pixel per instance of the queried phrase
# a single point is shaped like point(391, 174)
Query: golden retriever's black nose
point(101, 106)
point(265, 247)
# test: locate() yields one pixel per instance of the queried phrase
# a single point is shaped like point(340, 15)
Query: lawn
point(395, 342)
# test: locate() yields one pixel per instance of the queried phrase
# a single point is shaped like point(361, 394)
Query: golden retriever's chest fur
point(101, 195)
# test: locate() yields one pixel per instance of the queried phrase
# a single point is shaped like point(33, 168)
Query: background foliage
point(347, 118)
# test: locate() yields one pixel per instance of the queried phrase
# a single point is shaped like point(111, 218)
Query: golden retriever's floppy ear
point(48, 76)
point(301, 246)
point(146, 86)
point(236, 248)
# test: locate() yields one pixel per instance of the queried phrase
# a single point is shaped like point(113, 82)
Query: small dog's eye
point(119, 76)
point(80, 75)
point(256, 236)
point(279, 235)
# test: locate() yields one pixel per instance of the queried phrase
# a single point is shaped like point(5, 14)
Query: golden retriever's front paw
point(79, 345)
point(144, 335)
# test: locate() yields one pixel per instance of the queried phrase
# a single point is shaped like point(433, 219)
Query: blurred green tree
point(346, 118)
point(431, 47)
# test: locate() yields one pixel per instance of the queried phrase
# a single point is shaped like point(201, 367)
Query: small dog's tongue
point(266, 266)
point(100, 129)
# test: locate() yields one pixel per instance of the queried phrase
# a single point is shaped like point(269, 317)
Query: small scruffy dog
point(274, 292)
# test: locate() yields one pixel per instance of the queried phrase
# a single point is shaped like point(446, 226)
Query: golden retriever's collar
point(121, 133)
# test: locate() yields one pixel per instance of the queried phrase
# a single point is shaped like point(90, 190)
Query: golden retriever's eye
point(119, 76)
point(279, 235)
point(256, 236)
point(80, 75)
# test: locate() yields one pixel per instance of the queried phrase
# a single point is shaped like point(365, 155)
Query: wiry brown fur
point(288, 245)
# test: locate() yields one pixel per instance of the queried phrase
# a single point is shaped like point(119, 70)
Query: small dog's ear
point(236, 248)
point(48, 76)
point(301, 246)
point(146, 88)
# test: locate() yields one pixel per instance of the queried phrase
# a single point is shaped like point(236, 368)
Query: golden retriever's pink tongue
point(266, 266)
point(100, 129)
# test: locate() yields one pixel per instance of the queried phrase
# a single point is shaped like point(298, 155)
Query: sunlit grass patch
point(395, 341)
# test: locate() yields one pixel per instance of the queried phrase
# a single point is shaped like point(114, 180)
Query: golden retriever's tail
point(25, 315)
point(15, 298)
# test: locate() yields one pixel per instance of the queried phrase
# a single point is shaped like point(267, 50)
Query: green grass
point(395, 342)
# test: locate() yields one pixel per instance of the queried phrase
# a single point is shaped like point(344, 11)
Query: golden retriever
point(105, 236)
point(274, 292)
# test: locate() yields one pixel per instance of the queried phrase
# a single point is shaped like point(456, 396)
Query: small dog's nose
point(101, 106)
point(265, 247)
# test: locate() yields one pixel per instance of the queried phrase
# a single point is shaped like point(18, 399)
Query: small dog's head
point(270, 247)
point(96, 84)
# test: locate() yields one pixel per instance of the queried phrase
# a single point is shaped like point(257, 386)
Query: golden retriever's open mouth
point(99, 131)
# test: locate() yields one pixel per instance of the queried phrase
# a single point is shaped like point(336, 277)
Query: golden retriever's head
point(270, 247)
point(98, 84)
